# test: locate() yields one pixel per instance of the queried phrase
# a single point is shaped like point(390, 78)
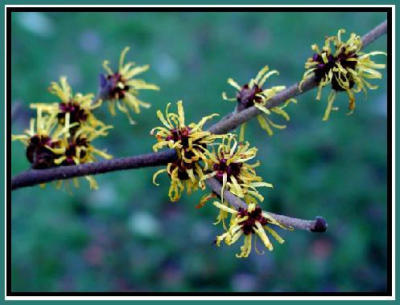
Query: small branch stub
point(318, 225)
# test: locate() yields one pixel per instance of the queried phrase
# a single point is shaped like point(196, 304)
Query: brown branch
point(374, 34)
point(317, 225)
point(37, 176)
point(229, 122)
point(245, 115)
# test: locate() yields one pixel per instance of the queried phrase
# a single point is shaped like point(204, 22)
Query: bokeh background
point(127, 236)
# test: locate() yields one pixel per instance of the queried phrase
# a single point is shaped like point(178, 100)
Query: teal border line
point(205, 2)
point(160, 2)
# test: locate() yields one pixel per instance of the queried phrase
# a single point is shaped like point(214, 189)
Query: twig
point(317, 225)
point(230, 122)
point(37, 176)
point(243, 116)
point(374, 34)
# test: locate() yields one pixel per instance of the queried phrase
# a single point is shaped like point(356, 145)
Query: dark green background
point(127, 236)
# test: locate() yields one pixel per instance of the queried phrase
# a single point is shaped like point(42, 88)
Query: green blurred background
point(127, 236)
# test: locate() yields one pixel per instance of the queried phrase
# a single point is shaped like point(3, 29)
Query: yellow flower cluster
point(190, 143)
point(342, 65)
point(252, 94)
point(229, 165)
point(202, 155)
point(63, 132)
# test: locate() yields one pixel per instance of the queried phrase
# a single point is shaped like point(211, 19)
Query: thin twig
point(243, 116)
point(38, 176)
point(317, 225)
point(374, 34)
point(230, 122)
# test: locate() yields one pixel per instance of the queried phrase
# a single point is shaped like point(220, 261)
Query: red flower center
point(249, 224)
point(110, 86)
point(38, 154)
point(71, 150)
point(324, 68)
point(246, 97)
point(233, 169)
point(77, 114)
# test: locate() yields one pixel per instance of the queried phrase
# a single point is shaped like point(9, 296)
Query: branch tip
point(320, 225)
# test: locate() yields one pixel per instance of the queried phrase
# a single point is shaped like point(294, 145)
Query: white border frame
point(199, 297)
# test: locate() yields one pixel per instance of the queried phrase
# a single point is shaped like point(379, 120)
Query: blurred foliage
point(127, 236)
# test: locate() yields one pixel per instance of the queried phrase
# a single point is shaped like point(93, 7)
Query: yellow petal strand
point(204, 200)
point(220, 238)
point(22, 138)
point(277, 126)
point(226, 98)
point(76, 182)
point(223, 188)
point(131, 101)
point(224, 208)
point(237, 188)
point(102, 153)
point(92, 183)
point(274, 234)
point(260, 74)
point(200, 124)
point(266, 76)
point(125, 68)
point(122, 58)
point(111, 107)
point(319, 92)
point(246, 248)
point(352, 101)
point(263, 236)
point(234, 84)
point(136, 71)
point(331, 99)
point(262, 184)
point(324, 57)
point(315, 48)
point(264, 125)
point(262, 108)
point(372, 54)
point(156, 175)
point(107, 68)
point(141, 84)
point(242, 132)
point(235, 237)
point(281, 112)
point(163, 120)
point(181, 114)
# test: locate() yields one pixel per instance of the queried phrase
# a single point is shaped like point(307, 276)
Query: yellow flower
point(190, 143)
point(41, 139)
point(229, 165)
point(182, 175)
point(50, 145)
point(343, 66)
point(248, 222)
point(72, 108)
point(78, 149)
point(252, 94)
point(120, 88)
